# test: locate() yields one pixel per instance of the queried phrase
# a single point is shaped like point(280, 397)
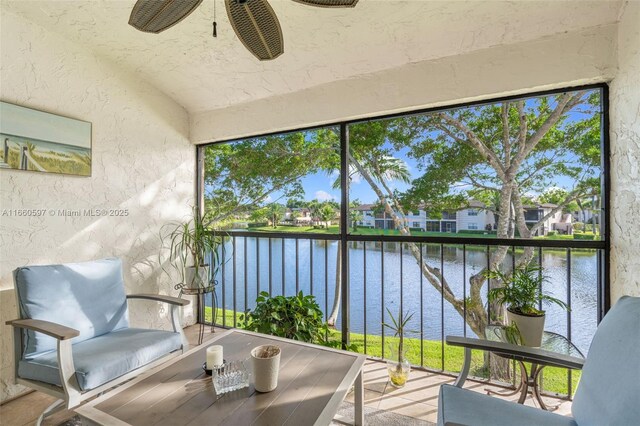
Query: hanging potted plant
point(398, 366)
point(193, 252)
point(521, 293)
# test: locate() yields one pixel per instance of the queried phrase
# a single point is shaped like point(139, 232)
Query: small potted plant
point(398, 366)
point(521, 293)
point(190, 245)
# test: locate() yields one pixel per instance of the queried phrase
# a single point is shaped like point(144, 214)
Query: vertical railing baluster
point(224, 287)
point(513, 268)
point(488, 306)
point(364, 284)
point(270, 270)
point(311, 266)
point(297, 268)
point(540, 257)
point(442, 305)
point(326, 284)
point(600, 256)
point(382, 294)
point(284, 285)
point(401, 279)
point(464, 290)
point(246, 277)
point(421, 310)
point(257, 267)
point(235, 284)
point(569, 377)
point(540, 276)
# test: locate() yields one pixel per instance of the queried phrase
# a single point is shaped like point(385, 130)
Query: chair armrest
point(52, 329)
point(519, 353)
point(160, 298)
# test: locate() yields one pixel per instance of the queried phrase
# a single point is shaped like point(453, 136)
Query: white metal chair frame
point(70, 395)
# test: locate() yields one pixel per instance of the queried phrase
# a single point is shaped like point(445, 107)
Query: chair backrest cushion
point(87, 296)
point(609, 388)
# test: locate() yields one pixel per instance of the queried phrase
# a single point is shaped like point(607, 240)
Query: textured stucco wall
point(625, 158)
point(142, 161)
point(573, 58)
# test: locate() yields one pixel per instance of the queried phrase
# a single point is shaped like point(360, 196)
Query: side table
point(556, 351)
point(552, 342)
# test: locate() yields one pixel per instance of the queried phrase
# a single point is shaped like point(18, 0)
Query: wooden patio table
point(312, 383)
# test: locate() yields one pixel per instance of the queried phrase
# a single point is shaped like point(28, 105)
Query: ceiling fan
point(254, 21)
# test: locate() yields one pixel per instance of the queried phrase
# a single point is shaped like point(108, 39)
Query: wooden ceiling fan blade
point(257, 27)
point(155, 16)
point(328, 3)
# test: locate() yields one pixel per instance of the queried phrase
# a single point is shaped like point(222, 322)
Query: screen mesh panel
point(155, 16)
point(257, 27)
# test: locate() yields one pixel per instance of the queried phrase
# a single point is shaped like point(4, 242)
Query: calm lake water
point(273, 265)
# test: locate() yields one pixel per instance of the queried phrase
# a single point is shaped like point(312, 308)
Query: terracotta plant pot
point(265, 360)
point(531, 327)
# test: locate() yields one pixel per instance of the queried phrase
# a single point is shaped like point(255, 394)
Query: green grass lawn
point(554, 379)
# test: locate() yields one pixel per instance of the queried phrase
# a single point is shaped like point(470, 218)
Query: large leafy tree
point(243, 176)
point(497, 153)
point(504, 152)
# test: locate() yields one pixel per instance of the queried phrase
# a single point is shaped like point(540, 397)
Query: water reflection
point(272, 264)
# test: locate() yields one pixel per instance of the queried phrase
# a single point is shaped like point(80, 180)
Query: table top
point(312, 383)
point(553, 342)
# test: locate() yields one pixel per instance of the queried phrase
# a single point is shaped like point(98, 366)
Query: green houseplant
point(191, 245)
point(296, 317)
point(398, 366)
point(521, 293)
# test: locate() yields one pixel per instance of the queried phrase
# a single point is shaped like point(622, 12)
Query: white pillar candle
point(214, 356)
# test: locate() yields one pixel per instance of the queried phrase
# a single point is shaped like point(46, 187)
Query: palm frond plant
point(521, 293)
point(398, 366)
point(193, 250)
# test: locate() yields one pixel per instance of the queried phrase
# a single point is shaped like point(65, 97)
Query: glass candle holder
point(230, 376)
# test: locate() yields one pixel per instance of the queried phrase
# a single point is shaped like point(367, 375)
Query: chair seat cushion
point(465, 407)
point(104, 358)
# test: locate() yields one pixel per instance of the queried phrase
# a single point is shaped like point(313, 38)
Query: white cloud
point(323, 196)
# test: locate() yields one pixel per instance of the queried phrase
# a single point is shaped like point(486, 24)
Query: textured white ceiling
point(204, 73)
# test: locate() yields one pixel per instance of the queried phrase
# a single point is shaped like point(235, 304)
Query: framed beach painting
point(43, 142)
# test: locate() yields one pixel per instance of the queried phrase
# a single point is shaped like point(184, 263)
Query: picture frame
point(38, 141)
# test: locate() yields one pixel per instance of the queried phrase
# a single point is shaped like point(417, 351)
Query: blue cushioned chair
point(73, 339)
point(608, 392)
